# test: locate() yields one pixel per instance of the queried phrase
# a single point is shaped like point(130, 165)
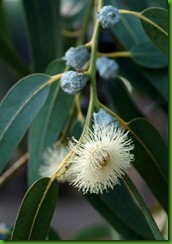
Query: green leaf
point(55, 67)
point(36, 211)
point(11, 59)
point(129, 31)
point(157, 3)
point(122, 100)
point(18, 110)
point(3, 22)
point(159, 80)
point(17, 28)
point(151, 222)
point(92, 232)
point(43, 22)
point(121, 211)
point(147, 81)
point(48, 125)
point(151, 158)
point(53, 235)
point(159, 36)
point(146, 55)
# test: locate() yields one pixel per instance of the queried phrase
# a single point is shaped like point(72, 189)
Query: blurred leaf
point(36, 211)
point(151, 85)
point(43, 22)
point(121, 98)
point(146, 55)
point(92, 232)
point(151, 158)
point(73, 12)
point(55, 67)
point(123, 4)
point(17, 28)
point(53, 235)
point(76, 129)
point(11, 59)
point(138, 198)
point(159, 37)
point(129, 31)
point(121, 211)
point(157, 3)
point(159, 80)
point(3, 22)
point(48, 124)
point(17, 111)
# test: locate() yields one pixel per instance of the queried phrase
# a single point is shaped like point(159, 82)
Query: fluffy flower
point(51, 160)
point(101, 159)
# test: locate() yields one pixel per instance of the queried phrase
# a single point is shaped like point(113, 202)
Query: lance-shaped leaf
point(158, 34)
point(17, 111)
point(48, 124)
point(151, 158)
point(122, 100)
point(121, 211)
point(36, 211)
point(11, 58)
point(146, 55)
point(43, 21)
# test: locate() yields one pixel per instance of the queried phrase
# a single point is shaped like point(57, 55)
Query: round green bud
point(77, 57)
point(108, 16)
point(102, 118)
point(73, 82)
point(107, 68)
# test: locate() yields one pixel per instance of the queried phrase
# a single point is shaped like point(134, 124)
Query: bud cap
point(77, 57)
point(107, 68)
point(108, 16)
point(72, 82)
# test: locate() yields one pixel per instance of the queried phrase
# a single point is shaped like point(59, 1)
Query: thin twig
point(16, 166)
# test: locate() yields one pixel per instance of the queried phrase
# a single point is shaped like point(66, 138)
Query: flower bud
point(107, 68)
point(77, 57)
point(108, 16)
point(102, 118)
point(72, 82)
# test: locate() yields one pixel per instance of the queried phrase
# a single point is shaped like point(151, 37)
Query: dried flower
point(73, 82)
point(77, 57)
point(52, 158)
point(100, 159)
point(107, 68)
point(108, 16)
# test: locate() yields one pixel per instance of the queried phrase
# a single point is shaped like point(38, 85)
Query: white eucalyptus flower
point(52, 158)
point(101, 159)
